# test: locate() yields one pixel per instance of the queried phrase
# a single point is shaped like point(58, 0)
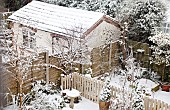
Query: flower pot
point(165, 88)
point(104, 105)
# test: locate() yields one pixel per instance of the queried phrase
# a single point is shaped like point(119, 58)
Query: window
point(55, 43)
point(166, 28)
point(25, 37)
point(59, 43)
point(29, 40)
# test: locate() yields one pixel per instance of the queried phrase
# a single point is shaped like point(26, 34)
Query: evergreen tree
point(108, 7)
point(144, 16)
point(161, 51)
point(106, 91)
point(14, 5)
point(137, 102)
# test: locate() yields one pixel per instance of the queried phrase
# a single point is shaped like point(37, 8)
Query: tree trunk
point(123, 49)
point(163, 72)
point(20, 81)
point(20, 97)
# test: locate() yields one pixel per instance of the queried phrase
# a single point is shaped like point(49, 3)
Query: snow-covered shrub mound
point(44, 96)
point(146, 86)
point(106, 91)
point(88, 73)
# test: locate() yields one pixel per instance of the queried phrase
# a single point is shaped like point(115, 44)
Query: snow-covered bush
point(88, 71)
point(161, 48)
point(127, 99)
point(108, 7)
point(105, 94)
point(44, 87)
point(142, 16)
point(44, 96)
point(137, 100)
point(121, 102)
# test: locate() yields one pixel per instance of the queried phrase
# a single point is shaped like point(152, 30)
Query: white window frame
point(29, 41)
point(165, 27)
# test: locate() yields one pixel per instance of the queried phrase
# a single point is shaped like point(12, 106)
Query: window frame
point(29, 40)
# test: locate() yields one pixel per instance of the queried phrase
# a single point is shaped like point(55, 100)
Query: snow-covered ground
point(147, 85)
point(162, 95)
point(85, 104)
point(116, 81)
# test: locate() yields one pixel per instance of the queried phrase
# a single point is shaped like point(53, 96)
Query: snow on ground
point(162, 95)
point(146, 84)
point(85, 104)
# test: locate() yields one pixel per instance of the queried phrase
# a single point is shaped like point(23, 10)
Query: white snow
point(55, 19)
point(117, 81)
point(72, 93)
point(147, 85)
point(85, 104)
point(88, 75)
point(162, 95)
point(140, 50)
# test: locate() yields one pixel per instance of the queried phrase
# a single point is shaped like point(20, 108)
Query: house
point(41, 24)
point(165, 27)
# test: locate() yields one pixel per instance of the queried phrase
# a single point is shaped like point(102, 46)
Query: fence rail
point(90, 89)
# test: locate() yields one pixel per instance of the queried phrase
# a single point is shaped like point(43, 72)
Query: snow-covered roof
point(55, 19)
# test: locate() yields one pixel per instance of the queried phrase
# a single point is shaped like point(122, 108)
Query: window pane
point(168, 25)
point(25, 40)
point(32, 40)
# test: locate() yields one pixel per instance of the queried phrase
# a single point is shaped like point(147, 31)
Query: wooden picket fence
point(90, 89)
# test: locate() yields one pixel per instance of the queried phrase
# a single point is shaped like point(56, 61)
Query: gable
point(103, 34)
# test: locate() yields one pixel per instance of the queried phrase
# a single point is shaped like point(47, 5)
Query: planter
point(104, 105)
point(165, 88)
point(156, 88)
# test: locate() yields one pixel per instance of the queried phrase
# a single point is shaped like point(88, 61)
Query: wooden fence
point(36, 73)
point(106, 59)
point(103, 58)
point(90, 89)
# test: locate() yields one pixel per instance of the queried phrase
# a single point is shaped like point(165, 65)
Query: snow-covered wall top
point(55, 19)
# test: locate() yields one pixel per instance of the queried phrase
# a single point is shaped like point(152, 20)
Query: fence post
point(146, 103)
point(168, 107)
point(155, 104)
point(62, 82)
point(47, 68)
point(158, 105)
